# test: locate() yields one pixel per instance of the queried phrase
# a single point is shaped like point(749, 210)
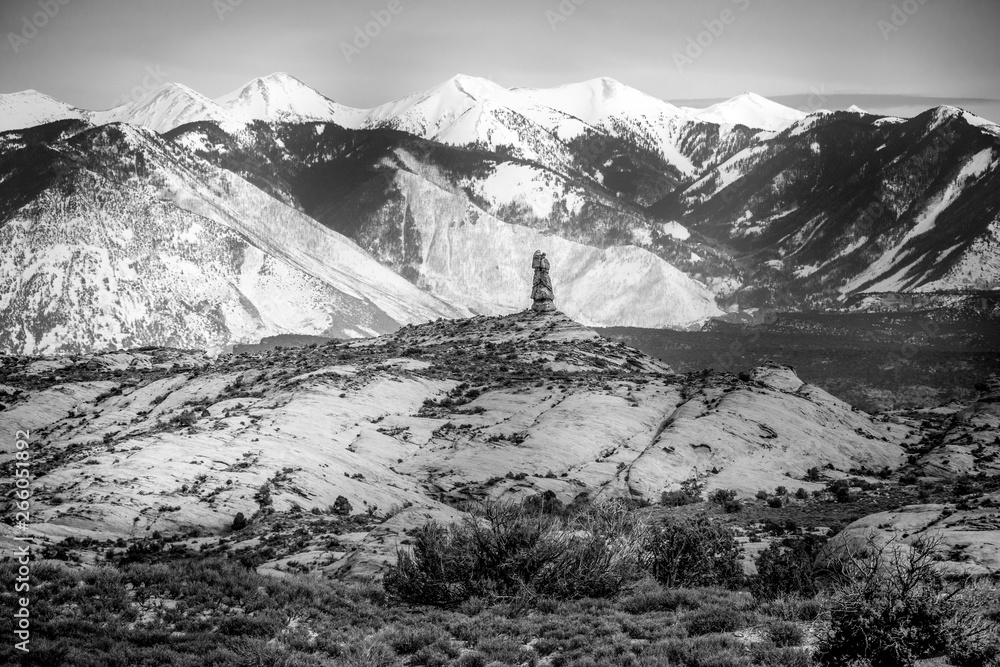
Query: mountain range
point(180, 220)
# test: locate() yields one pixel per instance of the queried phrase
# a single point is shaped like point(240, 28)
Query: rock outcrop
point(967, 541)
point(421, 420)
point(542, 295)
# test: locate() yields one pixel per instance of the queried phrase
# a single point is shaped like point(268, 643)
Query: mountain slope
point(458, 221)
point(167, 106)
point(629, 114)
point(846, 203)
point(134, 242)
point(30, 108)
point(470, 257)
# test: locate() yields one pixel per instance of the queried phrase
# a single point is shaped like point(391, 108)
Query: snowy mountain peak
point(29, 108)
point(475, 87)
point(593, 101)
point(166, 107)
point(750, 110)
point(430, 112)
point(280, 97)
point(945, 114)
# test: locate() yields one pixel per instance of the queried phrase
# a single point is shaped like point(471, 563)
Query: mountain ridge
point(712, 218)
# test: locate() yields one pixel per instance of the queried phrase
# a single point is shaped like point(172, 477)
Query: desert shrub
point(510, 550)
point(678, 498)
point(693, 552)
point(248, 626)
point(793, 608)
point(655, 598)
point(409, 639)
point(726, 498)
point(775, 502)
point(787, 569)
point(773, 656)
point(239, 521)
point(894, 607)
point(761, 495)
point(972, 630)
point(263, 495)
point(722, 496)
point(342, 506)
point(841, 490)
point(715, 618)
point(801, 494)
point(711, 650)
point(546, 503)
point(784, 633)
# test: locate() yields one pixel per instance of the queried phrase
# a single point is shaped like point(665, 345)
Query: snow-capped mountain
point(750, 110)
point(443, 108)
point(470, 111)
point(843, 203)
point(281, 98)
point(167, 106)
point(29, 108)
point(657, 216)
point(625, 112)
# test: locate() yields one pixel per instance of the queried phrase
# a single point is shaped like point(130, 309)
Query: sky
point(888, 56)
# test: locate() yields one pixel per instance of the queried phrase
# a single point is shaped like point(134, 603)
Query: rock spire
point(542, 297)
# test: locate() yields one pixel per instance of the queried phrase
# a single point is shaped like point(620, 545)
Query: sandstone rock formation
point(542, 296)
point(408, 425)
point(967, 540)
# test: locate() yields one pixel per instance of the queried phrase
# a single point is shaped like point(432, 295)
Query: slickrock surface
point(410, 425)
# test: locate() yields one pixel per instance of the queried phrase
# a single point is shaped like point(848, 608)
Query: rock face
point(423, 419)
point(542, 296)
point(966, 539)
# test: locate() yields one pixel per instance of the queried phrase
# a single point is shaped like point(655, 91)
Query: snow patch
point(676, 230)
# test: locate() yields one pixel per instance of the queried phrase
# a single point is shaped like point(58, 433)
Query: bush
point(509, 551)
point(694, 552)
point(894, 607)
point(726, 498)
point(801, 494)
point(722, 496)
point(715, 618)
point(775, 502)
point(678, 498)
point(239, 521)
point(841, 490)
point(784, 633)
point(787, 569)
point(342, 506)
point(545, 503)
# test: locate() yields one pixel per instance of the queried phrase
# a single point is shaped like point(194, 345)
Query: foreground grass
point(216, 612)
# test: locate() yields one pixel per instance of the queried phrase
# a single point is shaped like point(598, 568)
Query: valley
point(874, 361)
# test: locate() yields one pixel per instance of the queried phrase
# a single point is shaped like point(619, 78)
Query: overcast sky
point(899, 55)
